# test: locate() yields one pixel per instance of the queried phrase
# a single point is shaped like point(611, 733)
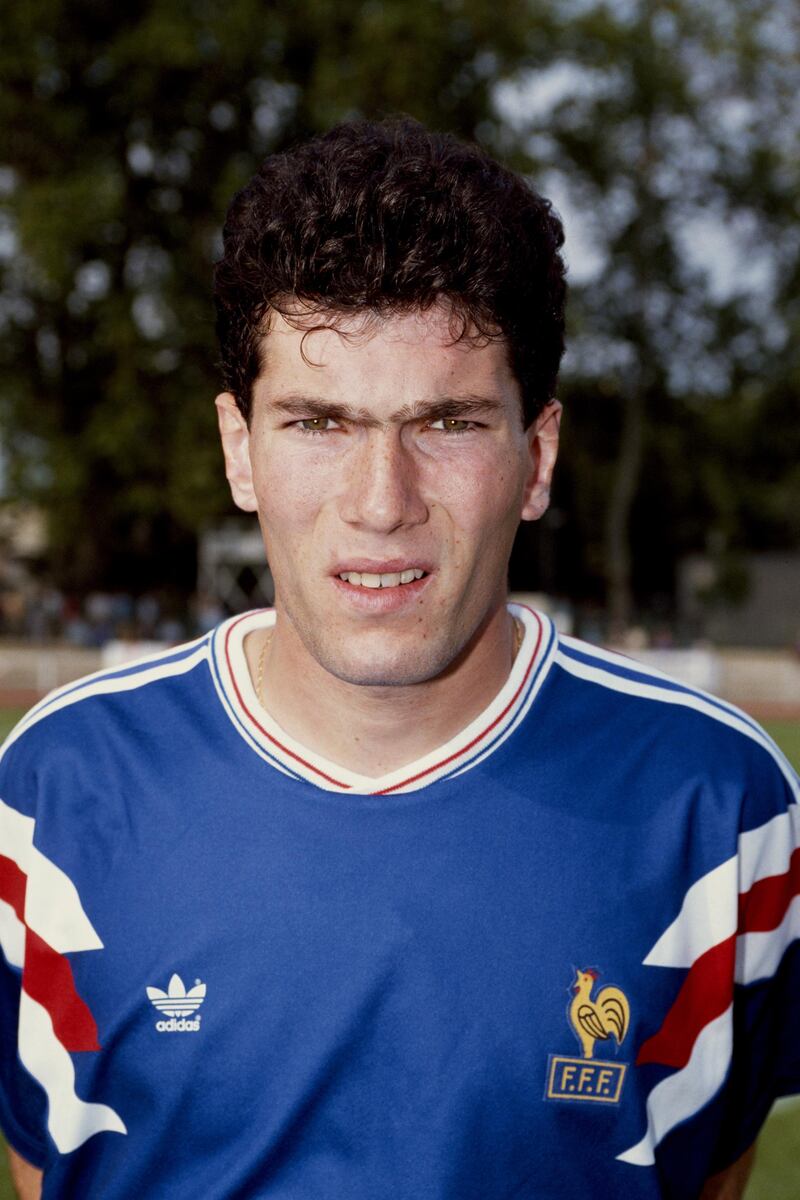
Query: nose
point(382, 491)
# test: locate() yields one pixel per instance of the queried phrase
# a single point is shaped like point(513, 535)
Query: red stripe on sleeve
point(705, 994)
point(48, 979)
point(12, 886)
point(47, 975)
point(764, 906)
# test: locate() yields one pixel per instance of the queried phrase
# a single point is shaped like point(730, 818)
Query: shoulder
point(677, 728)
point(618, 681)
point(614, 674)
point(80, 714)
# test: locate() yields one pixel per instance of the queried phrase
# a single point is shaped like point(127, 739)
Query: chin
point(387, 669)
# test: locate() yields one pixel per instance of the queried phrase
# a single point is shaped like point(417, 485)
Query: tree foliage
point(663, 129)
point(671, 132)
point(126, 131)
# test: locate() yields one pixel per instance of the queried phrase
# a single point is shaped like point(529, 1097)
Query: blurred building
point(766, 612)
point(232, 569)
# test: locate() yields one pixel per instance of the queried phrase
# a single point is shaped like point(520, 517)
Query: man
point(391, 892)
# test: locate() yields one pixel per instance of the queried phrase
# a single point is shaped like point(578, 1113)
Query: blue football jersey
point(558, 957)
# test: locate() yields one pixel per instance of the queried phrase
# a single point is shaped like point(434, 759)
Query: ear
point(543, 451)
point(236, 447)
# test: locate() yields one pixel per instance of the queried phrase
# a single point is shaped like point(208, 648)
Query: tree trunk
point(617, 527)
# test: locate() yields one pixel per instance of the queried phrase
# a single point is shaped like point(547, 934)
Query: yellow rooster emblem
point(608, 1015)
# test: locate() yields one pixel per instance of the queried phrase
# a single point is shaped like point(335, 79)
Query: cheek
point(285, 485)
point(292, 494)
point(482, 495)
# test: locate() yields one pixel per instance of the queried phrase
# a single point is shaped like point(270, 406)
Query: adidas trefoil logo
point(178, 1004)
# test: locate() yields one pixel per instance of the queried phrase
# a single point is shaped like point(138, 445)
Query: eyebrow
point(461, 406)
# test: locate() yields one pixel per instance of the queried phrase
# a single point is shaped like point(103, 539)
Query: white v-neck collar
point(468, 747)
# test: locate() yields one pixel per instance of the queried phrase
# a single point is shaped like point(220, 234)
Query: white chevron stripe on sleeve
point(758, 955)
point(52, 905)
point(70, 1120)
point(709, 915)
point(768, 849)
point(683, 1094)
point(12, 936)
point(710, 911)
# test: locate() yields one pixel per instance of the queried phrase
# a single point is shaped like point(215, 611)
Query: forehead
point(377, 359)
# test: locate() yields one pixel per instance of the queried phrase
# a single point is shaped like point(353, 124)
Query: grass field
point(777, 1170)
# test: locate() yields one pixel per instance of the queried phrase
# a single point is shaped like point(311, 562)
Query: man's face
point(377, 450)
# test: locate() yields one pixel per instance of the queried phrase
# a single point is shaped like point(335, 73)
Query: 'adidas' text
point(173, 1025)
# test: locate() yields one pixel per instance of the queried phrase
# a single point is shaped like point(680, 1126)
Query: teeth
point(392, 579)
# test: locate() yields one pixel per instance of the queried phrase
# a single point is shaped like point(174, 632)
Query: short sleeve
point(22, 1101)
point(728, 1043)
point(765, 1063)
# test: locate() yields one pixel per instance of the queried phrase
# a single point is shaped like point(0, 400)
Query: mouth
point(385, 579)
point(374, 588)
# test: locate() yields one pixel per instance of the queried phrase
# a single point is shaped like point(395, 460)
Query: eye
point(452, 425)
point(316, 425)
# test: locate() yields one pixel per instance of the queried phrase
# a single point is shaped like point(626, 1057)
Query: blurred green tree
point(125, 131)
point(667, 132)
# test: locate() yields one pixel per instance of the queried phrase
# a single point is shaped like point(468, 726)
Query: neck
point(374, 730)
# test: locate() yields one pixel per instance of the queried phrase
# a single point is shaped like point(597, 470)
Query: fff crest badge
point(602, 1018)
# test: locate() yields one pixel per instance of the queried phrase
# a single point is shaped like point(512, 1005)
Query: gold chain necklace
point(519, 633)
point(260, 670)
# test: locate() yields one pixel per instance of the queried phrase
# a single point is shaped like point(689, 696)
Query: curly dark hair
point(388, 217)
